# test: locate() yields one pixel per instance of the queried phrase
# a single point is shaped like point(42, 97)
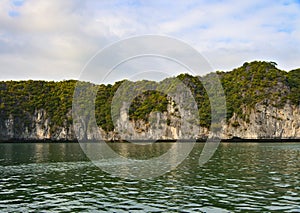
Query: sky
point(55, 39)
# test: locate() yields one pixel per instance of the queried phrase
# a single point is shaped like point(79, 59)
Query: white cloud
point(54, 39)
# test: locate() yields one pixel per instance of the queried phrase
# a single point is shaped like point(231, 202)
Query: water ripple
point(239, 178)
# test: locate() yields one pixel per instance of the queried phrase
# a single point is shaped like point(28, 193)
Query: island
point(262, 103)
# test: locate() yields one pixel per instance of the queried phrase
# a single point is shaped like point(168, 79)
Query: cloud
point(54, 39)
point(48, 37)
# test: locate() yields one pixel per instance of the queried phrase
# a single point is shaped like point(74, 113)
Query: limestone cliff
point(262, 101)
point(264, 121)
point(35, 127)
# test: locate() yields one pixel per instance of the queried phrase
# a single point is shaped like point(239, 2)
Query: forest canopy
point(252, 83)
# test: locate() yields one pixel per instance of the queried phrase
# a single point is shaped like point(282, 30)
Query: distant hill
point(43, 110)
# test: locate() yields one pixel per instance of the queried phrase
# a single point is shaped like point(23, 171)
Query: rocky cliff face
point(263, 121)
point(35, 127)
point(262, 101)
point(163, 126)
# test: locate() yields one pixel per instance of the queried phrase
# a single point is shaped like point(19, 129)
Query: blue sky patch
point(13, 13)
point(18, 3)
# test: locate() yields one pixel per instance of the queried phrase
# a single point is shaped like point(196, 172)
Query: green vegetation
point(21, 99)
point(195, 85)
point(293, 78)
point(253, 83)
point(244, 87)
point(146, 103)
point(103, 101)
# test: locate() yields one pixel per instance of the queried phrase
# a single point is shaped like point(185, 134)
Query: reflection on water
point(240, 177)
point(41, 152)
point(140, 151)
point(142, 161)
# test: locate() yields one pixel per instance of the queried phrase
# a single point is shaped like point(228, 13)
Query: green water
point(246, 177)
